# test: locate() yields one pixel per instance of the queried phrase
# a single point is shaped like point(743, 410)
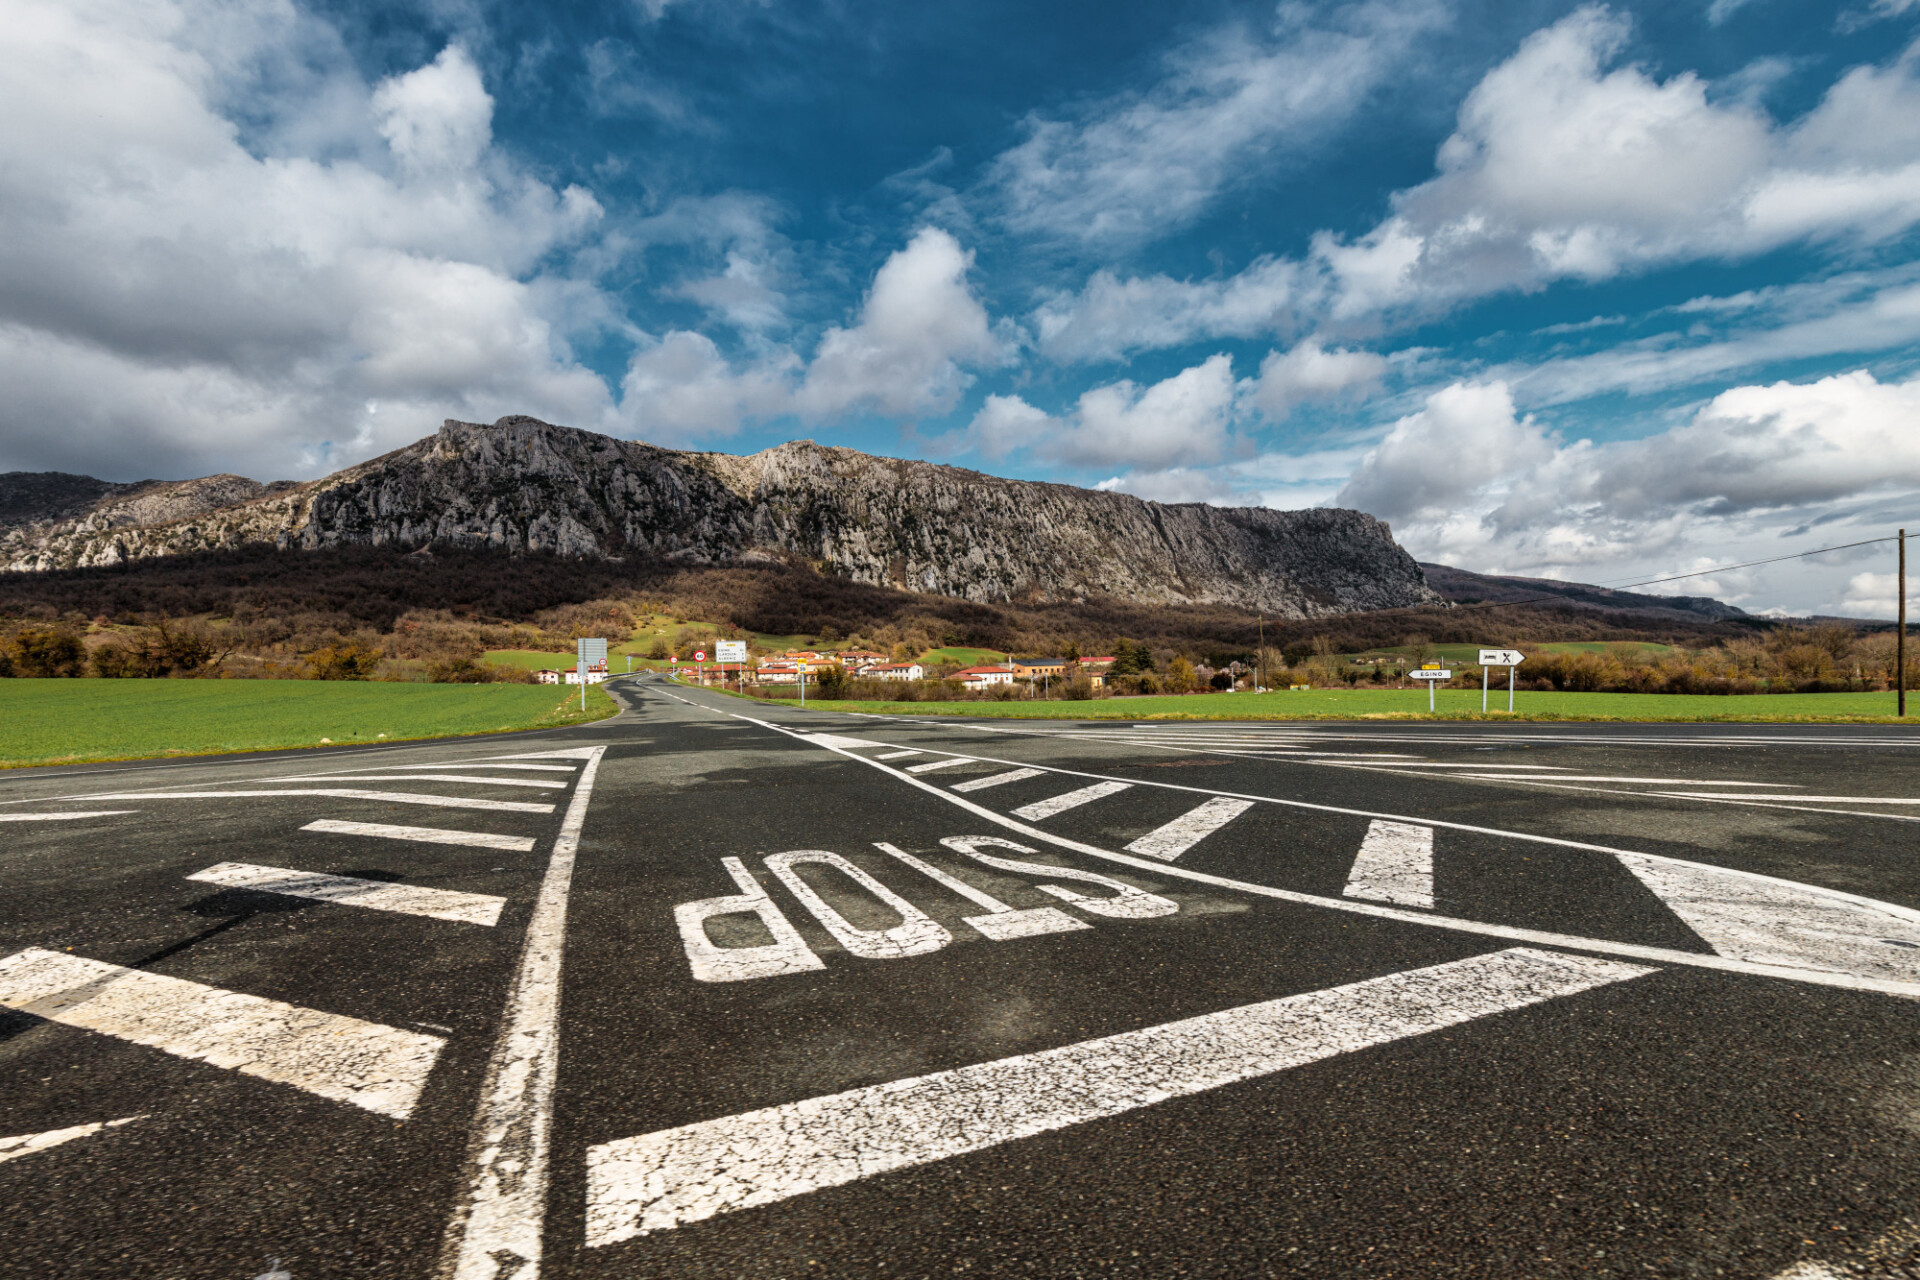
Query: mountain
point(1464, 587)
point(525, 485)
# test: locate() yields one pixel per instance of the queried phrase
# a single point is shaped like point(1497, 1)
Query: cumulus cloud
point(920, 325)
point(1311, 372)
point(172, 301)
point(1142, 165)
point(1180, 423)
point(1005, 424)
point(1562, 165)
point(1469, 479)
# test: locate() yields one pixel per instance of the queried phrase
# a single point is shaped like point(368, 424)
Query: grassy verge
point(1411, 704)
point(70, 721)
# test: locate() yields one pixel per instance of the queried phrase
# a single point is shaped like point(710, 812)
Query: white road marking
point(1454, 924)
point(915, 935)
point(787, 953)
point(342, 793)
point(1001, 922)
point(1501, 776)
point(931, 765)
point(487, 764)
point(1395, 864)
point(1421, 766)
point(899, 755)
point(379, 895)
point(1128, 902)
point(997, 779)
point(837, 740)
point(658, 1181)
point(1688, 782)
point(1772, 922)
point(1069, 800)
point(346, 1059)
point(549, 784)
point(497, 1224)
point(425, 835)
point(62, 817)
point(1189, 829)
point(26, 1144)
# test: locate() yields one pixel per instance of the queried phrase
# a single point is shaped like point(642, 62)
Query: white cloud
point(1468, 481)
point(1005, 424)
point(1141, 165)
point(920, 326)
point(1112, 316)
point(173, 302)
point(1311, 372)
point(683, 389)
point(1180, 421)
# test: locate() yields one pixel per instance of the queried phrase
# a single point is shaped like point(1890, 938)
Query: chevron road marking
point(931, 765)
point(425, 835)
point(662, 1180)
point(352, 891)
point(26, 1144)
point(423, 777)
point(341, 793)
point(997, 779)
point(1190, 828)
point(1395, 864)
point(61, 817)
point(1070, 800)
point(369, 1065)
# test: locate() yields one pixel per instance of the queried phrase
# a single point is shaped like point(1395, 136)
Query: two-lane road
point(717, 988)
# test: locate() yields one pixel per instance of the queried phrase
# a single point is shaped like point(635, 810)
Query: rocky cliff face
point(525, 485)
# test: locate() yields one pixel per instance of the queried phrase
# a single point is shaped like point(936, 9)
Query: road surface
point(716, 988)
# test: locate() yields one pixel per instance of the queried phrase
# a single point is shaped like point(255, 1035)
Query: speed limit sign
point(699, 655)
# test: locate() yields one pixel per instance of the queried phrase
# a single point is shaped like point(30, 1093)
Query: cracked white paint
point(342, 793)
point(1002, 922)
point(1768, 921)
point(1128, 903)
point(354, 891)
point(1069, 800)
point(424, 835)
point(61, 817)
point(26, 1144)
point(915, 935)
point(501, 1214)
point(1395, 864)
point(477, 779)
point(1189, 829)
point(657, 1181)
point(931, 765)
point(787, 953)
point(997, 779)
point(346, 1059)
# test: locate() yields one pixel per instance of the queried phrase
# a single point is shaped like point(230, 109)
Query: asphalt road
point(721, 989)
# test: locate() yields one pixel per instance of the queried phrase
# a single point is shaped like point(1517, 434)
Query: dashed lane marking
point(369, 1065)
point(353, 891)
point(1190, 828)
point(931, 765)
point(658, 1181)
point(61, 817)
point(998, 779)
point(900, 755)
point(1796, 799)
point(424, 835)
point(26, 1144)
point(1069, 800)
point(498, 1222)
point(1395, 864)
point(344, 793)
point(476, 779)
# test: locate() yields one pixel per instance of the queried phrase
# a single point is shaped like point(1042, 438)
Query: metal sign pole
point(1483, 690)
point(1430, 706)
point(1509, 690)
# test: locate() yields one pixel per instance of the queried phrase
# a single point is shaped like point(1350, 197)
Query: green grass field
point(68, 721)
point(1453, 704)
point(962, 654)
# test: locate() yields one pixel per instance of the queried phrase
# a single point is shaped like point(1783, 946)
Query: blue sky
point(1584, 291)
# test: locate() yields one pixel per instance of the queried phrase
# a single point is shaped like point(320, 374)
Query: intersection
point(722, 988)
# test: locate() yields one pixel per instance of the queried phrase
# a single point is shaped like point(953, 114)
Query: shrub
point(343, 660)
point(45, 653)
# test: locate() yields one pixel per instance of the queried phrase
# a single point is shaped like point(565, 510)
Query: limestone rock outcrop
point(525, 485)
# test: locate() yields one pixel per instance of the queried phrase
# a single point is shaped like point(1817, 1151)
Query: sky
point(1599, 292)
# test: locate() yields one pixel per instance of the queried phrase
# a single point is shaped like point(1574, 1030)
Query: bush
point(344, 660)
point(45, 653)
point(467, 671)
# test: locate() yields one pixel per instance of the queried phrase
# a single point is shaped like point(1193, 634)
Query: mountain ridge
point(521, 484)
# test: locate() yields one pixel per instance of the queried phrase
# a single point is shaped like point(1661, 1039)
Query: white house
point(894, 671)
point(984, 677)
point(547, 675)
point(778, 673)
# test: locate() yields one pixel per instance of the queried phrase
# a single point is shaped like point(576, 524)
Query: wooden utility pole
point(1900, 635)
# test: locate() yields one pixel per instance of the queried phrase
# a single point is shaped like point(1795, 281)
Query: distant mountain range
point(1464, 587)
point(524, 485)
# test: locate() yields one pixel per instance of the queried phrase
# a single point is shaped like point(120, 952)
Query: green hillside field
point(69, 721)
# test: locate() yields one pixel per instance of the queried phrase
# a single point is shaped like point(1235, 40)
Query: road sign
point(730, 651)
point(1429, 673)
point(591, 654)
point(1501, 657)
point(699, 655)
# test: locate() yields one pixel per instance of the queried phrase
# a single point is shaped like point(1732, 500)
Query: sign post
point(589, 653)
point(699, 667)
point(1508, 658)
point(1432, 673)
point(735, 651)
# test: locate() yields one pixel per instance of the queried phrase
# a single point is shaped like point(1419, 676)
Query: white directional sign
point(730, 651)
point(1501, 657)
point(1429, 674)
point(592, 653)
